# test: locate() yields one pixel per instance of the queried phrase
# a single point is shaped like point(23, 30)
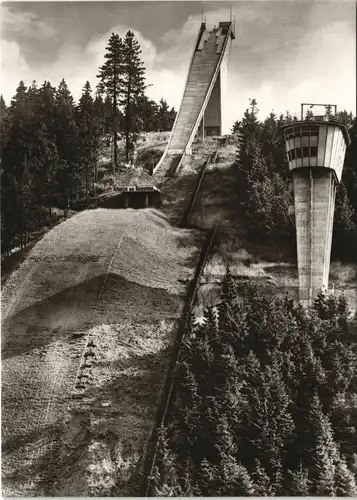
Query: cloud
point(73, 63)
point(97, 44)
point(12, 65)
point(279, 57)
point(25, 23)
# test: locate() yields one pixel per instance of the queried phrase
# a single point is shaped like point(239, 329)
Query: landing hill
point(114, 278)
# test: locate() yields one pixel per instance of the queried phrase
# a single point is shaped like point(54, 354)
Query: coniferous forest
point(50, 144)
point(266, 401)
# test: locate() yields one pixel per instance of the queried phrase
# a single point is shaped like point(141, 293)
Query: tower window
point(313, 151)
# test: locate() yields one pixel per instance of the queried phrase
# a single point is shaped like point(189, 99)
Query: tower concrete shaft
point(314, 193)
point(316, 151)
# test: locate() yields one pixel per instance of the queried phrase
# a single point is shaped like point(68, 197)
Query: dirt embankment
point(81, 369)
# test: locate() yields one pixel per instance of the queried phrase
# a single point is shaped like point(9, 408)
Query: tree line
point(266, 401)
point(50, 144)
point(263, 180)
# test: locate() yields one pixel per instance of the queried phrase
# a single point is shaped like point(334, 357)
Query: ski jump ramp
point(201, 111)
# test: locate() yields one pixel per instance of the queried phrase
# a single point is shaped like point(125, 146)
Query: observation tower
point(315, 147)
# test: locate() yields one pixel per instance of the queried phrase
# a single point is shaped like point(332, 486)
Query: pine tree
point(345, 117)
point(345, 483)
point(89, 135)
point(269, 128)
point(132, 83)
point(206, 478)
point(240, 405)
point(235, 479)
point(5, 125)
point(249, 132)
point(110, 75)
point(46, 107)
point(165, 116)
point(235, 127)
point(164, 480)
point(269, 422)
point(262, 483)
point(353, 464)
point(300, 483)
point(229, 292)
point(16, 175)
point(344, 243)
point(68, 172)
point(322, 452)
point(146, 113)
point(42, 162)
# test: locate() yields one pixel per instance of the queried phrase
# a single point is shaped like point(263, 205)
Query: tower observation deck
point(315, 147)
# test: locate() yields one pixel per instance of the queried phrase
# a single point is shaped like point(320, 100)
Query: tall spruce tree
point(66, 130)
point(111, 78)
point(132, 85)
point(89, 135)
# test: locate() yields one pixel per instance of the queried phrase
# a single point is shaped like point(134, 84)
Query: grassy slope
point(104, 267)
point(177, 189)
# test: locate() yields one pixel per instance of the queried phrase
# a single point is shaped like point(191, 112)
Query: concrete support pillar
point(315, 191)
point(146, 201)
point(212, 116)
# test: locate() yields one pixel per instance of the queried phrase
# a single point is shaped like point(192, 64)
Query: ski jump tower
point(201, 109)
point(316, 148)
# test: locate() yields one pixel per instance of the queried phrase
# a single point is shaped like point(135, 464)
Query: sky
point(285, 52)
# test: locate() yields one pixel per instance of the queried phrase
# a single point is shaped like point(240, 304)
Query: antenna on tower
point(202, 15)
point(230, 13)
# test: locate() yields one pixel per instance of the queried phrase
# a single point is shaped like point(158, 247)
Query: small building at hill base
point(136, 189)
